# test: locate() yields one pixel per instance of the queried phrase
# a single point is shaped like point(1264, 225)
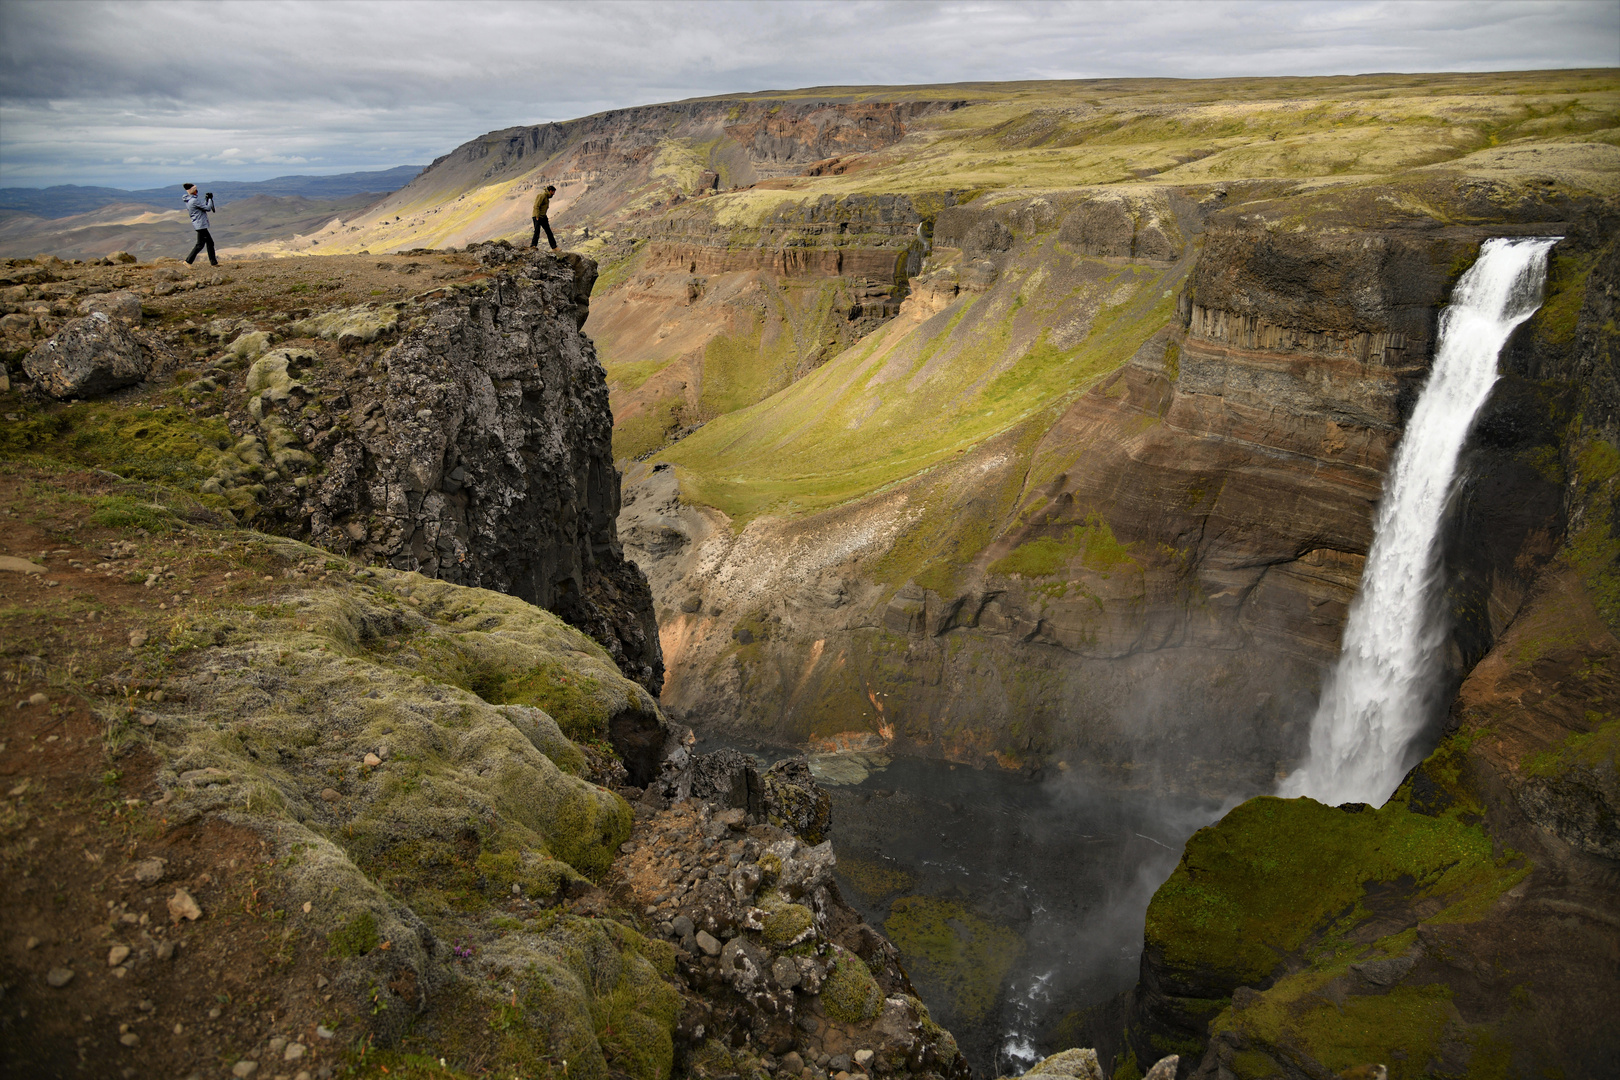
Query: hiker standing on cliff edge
point(200, 206)
point(542, 203)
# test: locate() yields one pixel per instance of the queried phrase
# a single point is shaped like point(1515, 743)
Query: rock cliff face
point(707, 317)
point(475, 449)
point(1159, 571)
point(1468, 922)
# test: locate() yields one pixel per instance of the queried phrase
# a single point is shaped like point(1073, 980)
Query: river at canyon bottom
point(1014, 902)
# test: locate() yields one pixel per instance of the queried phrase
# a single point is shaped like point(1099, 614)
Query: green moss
point(1594, 548)
point(1275, 875)
point(624, 377)
point(356, 937)
point(122, 512)
point(850, 994)
point(647, 430)
point(585, 833)
point(786, 923)
point(133, 440)
point(1564, 295)
point(1172, 360)
point(1352, 1031)
point(539, 877)
point(1254, 1065)
point(572, 697)
point(954, 952)
point(1094, 542)
point(1591, 749)
point(874, 881)
point(1128, 1069)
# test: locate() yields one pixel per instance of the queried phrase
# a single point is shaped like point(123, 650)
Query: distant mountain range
point(65, 200)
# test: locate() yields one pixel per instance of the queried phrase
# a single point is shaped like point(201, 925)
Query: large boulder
point(124, 306)
point(88, 357)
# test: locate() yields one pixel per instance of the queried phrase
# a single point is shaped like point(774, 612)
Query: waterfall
point(1381, 694)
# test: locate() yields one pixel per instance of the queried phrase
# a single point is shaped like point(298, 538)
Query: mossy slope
point(462, 806)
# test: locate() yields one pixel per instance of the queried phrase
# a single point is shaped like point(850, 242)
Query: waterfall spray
point(1381, 694)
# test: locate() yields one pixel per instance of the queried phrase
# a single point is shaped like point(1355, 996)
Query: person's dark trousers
point(542, 223)
point(205, 240)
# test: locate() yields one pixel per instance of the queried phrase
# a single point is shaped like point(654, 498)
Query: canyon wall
point(707, 317)
point(1152, 564)
point(1469, 921)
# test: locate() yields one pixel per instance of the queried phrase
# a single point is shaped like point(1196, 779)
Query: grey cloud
point(86, 87)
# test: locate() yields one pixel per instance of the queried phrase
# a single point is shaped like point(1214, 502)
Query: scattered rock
point(330, 794)
point(1164, 1069)
point(87, 358)
point(117, 955)
point(183, 906)
point(59, 976)
point(708, 944)
point(14, 565)
point(244, 1069)
point(294, 1052)
point(129, 1038)
point(137, 638)
point(1078, 1063)
point(372, 760)
point(149, 871)
point(165, 950)
point(38, 699)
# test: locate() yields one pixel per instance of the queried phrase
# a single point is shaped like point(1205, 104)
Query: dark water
point(1014, 902)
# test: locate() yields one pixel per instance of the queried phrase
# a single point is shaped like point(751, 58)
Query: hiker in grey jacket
point(200, 206)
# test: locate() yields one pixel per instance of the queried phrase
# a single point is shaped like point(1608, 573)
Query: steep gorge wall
point(1466, 927)
point(725, 315)
point(1161, 569)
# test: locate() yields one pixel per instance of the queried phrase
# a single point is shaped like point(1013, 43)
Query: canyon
point(1031, 428)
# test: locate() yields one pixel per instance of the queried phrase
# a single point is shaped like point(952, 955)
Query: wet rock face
point(479, 451)
point(88, 357)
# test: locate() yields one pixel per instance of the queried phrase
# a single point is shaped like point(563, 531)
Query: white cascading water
point(1379, 697)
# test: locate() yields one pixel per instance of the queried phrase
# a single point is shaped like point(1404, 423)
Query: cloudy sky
point(133, 94)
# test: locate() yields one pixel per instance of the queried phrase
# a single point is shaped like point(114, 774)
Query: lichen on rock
point(87, 358)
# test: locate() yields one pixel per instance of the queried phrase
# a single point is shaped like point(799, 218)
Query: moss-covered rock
point(584, 991)
point(787, 924)
point(273, 378)
point(850, 993)
point(405, 808)
point(349, 326)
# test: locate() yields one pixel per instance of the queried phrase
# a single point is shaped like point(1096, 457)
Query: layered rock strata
point(1488, 879)
point(1190, 529)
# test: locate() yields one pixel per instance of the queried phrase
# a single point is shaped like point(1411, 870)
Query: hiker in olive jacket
point(199, 207)
point(542, 202)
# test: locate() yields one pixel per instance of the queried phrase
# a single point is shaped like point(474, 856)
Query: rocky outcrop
point(776, 971)
point(475, 448)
